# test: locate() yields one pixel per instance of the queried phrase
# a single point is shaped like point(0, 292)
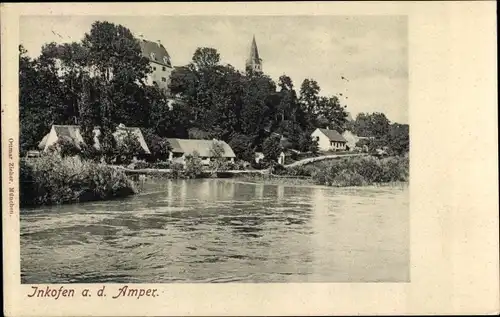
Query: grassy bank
point(54, 180)
point(342, 172)
point(354, 171)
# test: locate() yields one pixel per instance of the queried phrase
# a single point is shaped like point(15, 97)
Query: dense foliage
point(357, 171)
point(52, 179)
point(100, 81)
point(394, 137)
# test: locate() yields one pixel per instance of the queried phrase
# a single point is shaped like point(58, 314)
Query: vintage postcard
point(249, 159)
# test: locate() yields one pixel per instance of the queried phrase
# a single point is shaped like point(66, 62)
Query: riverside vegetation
point(100, 81)
point(358, 171)
point(52, 179)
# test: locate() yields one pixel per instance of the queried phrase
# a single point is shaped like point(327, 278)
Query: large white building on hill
point(160, 62)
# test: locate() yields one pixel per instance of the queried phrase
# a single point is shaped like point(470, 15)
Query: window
point(154, 68)
point(163, 68)
point(163, 79)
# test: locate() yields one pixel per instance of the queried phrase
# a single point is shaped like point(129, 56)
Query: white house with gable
point(329, 140)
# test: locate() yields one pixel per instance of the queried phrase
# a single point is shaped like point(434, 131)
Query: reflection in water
point(221, 231)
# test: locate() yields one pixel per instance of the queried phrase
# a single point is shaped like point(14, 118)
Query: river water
point(216, 230)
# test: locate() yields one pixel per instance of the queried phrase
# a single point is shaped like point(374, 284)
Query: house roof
point(72, 133)
point(203, 147)
point(333, 135)
point(155, 52)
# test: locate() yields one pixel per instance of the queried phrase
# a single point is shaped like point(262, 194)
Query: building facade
point(329, 140)
point(160, 62)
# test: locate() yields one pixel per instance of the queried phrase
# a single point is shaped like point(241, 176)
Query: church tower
point(254, 62)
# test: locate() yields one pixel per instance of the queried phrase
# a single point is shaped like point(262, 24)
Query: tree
point(158, 146)
point(271, 148)
point(40, 98)
point(218, 162)
point(331, 114)
point(309, 102)
point(127, 147)
point(398, 139)
point(205, 57)
point(288, 105)
point(242, 146)
point(115, 60)
point(257, 105)
point(373, 125)
point(194, 167)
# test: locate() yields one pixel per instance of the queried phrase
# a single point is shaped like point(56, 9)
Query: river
point(217, 230)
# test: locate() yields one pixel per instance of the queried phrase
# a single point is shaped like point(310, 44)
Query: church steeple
point(254, 62)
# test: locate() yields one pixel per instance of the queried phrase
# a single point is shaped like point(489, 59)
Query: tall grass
point(51, 179)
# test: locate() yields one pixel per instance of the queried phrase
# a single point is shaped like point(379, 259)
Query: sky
point(370, 51)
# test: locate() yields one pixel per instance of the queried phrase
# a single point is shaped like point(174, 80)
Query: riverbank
point(54, 180)
point(345, 172)
point(51, 180)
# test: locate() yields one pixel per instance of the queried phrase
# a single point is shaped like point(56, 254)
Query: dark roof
point(155, 52)
point(72, 133)
point(333, 135)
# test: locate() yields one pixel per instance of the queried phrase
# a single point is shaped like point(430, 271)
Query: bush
point(54, 180)
point(368, 167)
point(262, 164)
point(194, 166)
point(361, 171)
point(348, 178)
point(65, 146)
point(158, 146)
point(177, 170)
point(395, 169)
point(221, 165)
point(278, 169)
point(161, 165)
point(241, 165)
point(127, 147)
point(299, 171)
point(89, 152)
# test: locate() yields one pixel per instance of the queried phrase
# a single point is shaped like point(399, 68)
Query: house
point(329, 140)
point(160, 63)
point(72, 133)
point(184, 147)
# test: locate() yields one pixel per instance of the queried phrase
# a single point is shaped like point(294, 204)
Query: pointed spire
point(254, 63)
point(254, 52)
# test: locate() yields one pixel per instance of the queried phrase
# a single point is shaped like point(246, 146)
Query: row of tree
point(101, 81)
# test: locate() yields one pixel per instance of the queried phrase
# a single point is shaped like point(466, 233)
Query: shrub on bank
point(51, 179)
point(361, 171)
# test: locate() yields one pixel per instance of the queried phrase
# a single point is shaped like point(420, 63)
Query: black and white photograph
point(214, 149)
point(249, 158)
